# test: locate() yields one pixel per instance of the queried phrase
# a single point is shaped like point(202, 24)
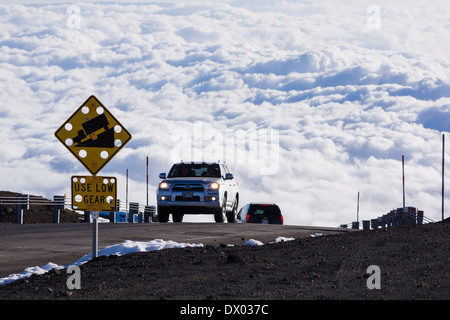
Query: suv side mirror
point(162, 175)
point(229, 176)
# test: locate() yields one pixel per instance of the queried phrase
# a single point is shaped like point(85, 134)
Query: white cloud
point(346, 100)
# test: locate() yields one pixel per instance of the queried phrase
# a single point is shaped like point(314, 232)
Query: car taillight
point(282, 219)
point(247, 218)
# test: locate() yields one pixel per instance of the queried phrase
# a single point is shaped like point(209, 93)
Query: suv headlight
point(164, 185)
point(214, 186)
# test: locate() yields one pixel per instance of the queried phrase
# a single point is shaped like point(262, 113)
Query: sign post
point(94, 234)
point(403, 180)
point(94, 136)
point(443, 163)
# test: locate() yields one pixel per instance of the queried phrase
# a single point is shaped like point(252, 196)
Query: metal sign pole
point(126, 192)
point(357, 209)
point(403, 178)
point(443, 152)
point(94, 234)
point(147, 180)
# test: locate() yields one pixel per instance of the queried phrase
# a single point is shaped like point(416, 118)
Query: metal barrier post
point(112, 217)
point(134, 209)
point(398, 220)
point(419, 217)
point(412, 215)
point(366, 224)
point(374, 223)
point(20, 204)
point(149, 213)
point(383, 220)
point(58, 204)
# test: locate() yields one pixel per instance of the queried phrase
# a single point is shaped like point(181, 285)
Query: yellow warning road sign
point(93, 135)
point(94, 193)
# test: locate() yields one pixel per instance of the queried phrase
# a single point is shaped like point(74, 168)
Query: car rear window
point(264, 210)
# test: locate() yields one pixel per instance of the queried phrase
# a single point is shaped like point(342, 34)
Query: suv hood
point(192, 180)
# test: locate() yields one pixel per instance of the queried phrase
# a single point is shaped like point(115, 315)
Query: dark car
point(265, 213)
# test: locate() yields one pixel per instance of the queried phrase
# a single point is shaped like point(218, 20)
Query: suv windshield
point(194, 170)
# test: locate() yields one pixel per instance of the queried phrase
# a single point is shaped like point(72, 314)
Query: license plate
point(265, 221)
point(187, 195)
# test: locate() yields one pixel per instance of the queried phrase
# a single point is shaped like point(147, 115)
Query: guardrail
point(396, 217)
point(133, 211)
point(27, 200)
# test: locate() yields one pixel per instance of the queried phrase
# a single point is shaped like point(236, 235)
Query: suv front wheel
point(221, 213)
point(163, 215)
point(177, 217)
point(232, 216)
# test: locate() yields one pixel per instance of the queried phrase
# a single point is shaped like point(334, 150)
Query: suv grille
point(188, 187)
point(180, 198)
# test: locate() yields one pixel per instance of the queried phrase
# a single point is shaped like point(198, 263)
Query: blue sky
point(344, 89)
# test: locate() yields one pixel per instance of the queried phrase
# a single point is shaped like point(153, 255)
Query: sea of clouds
point(317, 100)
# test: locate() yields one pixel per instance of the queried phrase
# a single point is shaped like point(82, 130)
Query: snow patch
point(283, 239)
point(253, 243)
point(316, 235)
point(125, 247)
point(28, 272)
point(120, 249)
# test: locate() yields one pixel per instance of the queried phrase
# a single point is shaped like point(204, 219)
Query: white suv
point(198, 188)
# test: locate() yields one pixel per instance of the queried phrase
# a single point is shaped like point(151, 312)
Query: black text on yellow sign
point(94, 193)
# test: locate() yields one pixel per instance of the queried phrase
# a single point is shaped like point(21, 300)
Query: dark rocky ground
point(414, 262)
